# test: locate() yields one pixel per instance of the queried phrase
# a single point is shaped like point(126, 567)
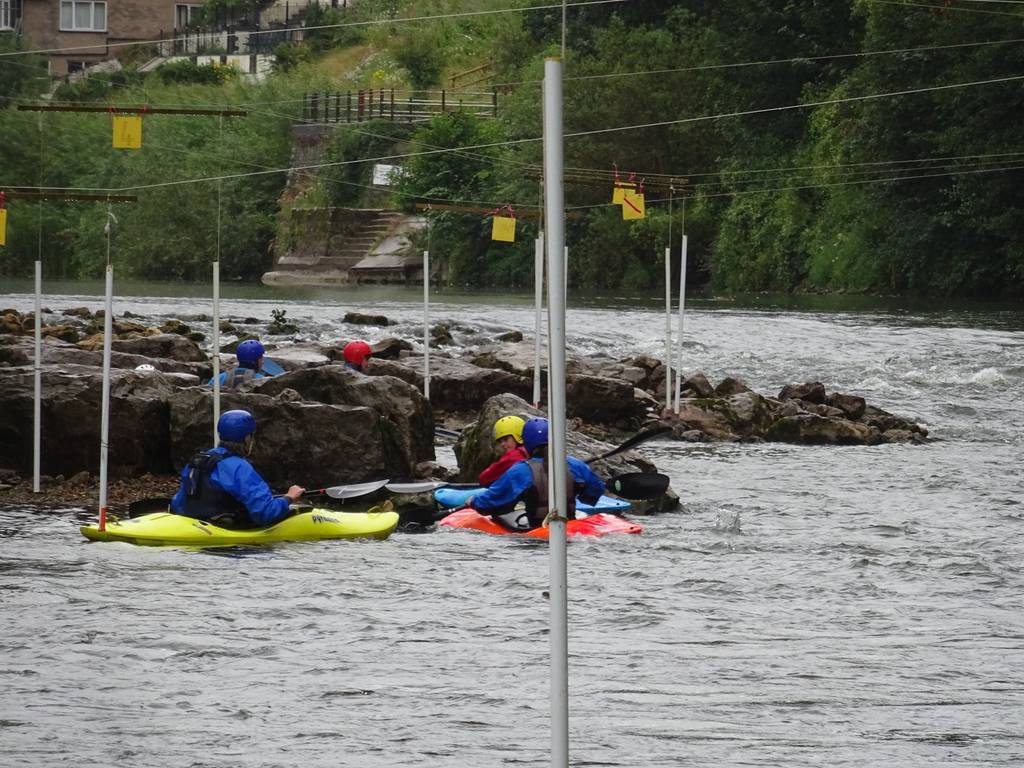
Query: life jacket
point(238, 376)
point(536, 498)
point(205, 501)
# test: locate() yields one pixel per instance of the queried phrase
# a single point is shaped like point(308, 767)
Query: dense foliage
point(771, 119)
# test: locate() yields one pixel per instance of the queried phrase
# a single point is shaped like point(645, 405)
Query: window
point(185, 15)
point(6, 16)
point(83, 15)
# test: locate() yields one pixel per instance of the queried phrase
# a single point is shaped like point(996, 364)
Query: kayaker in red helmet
point(356, 354)
point(222, 487)
point(527, 481)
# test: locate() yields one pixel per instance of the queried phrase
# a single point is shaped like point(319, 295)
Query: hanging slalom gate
point(395, 106)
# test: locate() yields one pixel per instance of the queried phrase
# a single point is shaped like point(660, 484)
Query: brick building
point(90, 31)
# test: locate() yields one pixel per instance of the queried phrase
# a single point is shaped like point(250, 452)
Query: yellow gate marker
point(127, 131)
point(503, 228)
point(633, 206)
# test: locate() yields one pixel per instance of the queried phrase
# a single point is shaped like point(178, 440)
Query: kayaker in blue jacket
point(250, 362)
point(222, 487)
point(527, 481)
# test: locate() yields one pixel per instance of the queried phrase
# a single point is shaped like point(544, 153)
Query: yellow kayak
point(166, 529)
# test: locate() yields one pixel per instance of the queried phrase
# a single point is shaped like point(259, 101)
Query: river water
point(808, 606)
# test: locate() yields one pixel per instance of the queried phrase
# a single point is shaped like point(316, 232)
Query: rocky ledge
point(332, 425)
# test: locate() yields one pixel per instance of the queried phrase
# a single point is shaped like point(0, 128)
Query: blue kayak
point(456, 497)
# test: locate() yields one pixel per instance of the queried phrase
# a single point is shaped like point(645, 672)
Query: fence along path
point(397, 107)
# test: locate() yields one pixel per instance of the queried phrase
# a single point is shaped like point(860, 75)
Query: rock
point(401, 406)
point(175, 326)
point(852, 406)
point(389, 348)
point(356, 318)
point(63, 332)
point(698, 384)
point(511, 336)
point(296, 356)
point(306, 443)
point(730, 386)
point(13, 356)
point(455, 385)
point(83, 312)
point(810, 392)
point(902, 436)
point(604, 400)
point(789, 408)
point(71, 420)
point(440, 335)
point(80, 478)
point(813, 429)
point(163, 345)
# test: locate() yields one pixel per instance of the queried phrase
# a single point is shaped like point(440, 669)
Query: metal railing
point(396, 107)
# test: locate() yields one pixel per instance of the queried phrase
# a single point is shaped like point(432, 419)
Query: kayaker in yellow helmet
point(527, 481)
point(221, 486)
point(508, 436)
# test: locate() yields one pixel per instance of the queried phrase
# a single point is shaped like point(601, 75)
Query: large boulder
point(395, 400)
point(60, 353)
point(71, 420)
point(311, 444)
point(455, 385)
point(162, 345)
point(809, 428)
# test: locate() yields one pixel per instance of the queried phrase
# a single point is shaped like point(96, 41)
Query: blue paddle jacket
point(237, 477)
point(514, 485)
point(232, 377)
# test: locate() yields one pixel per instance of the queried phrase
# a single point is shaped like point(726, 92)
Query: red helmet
point(356, 352)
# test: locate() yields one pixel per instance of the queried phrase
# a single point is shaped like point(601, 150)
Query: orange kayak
point(595, 525)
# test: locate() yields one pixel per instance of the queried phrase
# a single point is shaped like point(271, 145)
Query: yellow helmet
point(509, 425)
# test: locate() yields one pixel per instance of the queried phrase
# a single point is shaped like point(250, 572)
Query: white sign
point(382, 174)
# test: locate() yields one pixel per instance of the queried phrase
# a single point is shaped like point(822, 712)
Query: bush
point(184, 71)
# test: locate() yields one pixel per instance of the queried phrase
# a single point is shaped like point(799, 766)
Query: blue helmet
point(535, 434)
point(249, 352)
point(235, 425)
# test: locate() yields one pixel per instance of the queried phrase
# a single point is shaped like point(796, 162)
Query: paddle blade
point(271, 368)
point(639, 485)
point(425, 487)
point(356, 489)
point(634, 441)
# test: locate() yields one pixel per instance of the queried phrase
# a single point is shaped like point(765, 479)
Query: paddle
point(636, 439)
point(639, 485)
point(162, 504)
point(424, 487)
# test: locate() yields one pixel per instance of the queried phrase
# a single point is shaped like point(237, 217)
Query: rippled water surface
point(809, 606)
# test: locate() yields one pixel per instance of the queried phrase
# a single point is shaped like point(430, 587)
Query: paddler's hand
point(294, 493)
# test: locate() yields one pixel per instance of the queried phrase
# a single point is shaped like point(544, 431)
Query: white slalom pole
point(105, 418)
point(37, 372)
point(538, 303)
point(682, 304)
point(558, 588)
point(426, 324)
point(216, 350)
point(668, 329)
